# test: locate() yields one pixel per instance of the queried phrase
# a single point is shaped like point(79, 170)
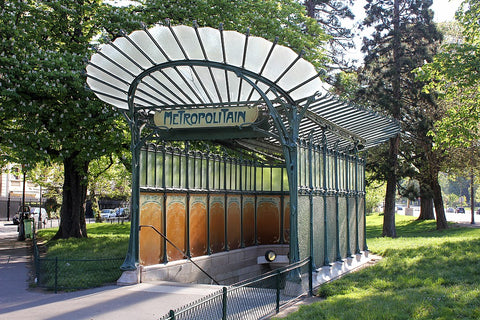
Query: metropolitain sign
point(206, 117)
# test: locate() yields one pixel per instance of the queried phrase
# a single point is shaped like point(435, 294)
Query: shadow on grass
point(436, 280)
point(407, 227)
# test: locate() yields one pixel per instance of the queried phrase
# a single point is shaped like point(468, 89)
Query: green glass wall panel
point(143, 168)
point(361, 223)
point(229, 177)
point(304, 226)
point(159, 170)
point(151, 169)
point(277, 179)
point(176, 171)
point(258, 178)
point(267, 179)
point(342, 223)
point(352, 222)
point(331, 228)
point(205, 172)
point(168, 170)
point(285, 181)
point(318, 231)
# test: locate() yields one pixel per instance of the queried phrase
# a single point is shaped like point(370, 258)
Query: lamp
point(270, 255)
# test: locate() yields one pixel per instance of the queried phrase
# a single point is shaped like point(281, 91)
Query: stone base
point(340, 268)
point(226, 267)
point(129, 277)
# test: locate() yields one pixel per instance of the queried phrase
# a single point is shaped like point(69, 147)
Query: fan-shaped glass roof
point(182, 68)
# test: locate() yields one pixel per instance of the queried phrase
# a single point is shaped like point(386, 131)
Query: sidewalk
point(141, 301)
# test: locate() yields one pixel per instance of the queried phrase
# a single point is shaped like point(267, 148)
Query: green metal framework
point(140, 75)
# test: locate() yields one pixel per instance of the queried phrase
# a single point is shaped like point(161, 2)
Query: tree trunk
point(310, 5)
point(438, 201)
point(426, 200)
point(72, 214)
point(426, 209)
point(472, 196)
point(389, 229)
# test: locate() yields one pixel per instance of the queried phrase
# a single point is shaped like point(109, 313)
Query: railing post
point(310, 277)
point(224, 303)
point(56, 274)
point(277, 278)
point(172, 315)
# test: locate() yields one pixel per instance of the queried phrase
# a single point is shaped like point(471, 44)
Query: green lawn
point(83, 263)
point(425, 274)
point(104, 241)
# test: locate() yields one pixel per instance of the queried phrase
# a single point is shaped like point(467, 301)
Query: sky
point(444, 9)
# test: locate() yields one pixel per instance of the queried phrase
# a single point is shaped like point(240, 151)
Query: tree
point(331, 15)
point(454, 74)
point(47, 113)
point(285, 19)
point(403, 38)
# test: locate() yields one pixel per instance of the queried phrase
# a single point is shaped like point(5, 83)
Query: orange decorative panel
point(217, 223)
point(234, 222)
point(176, 225)
point(151, 244)
point(198, 225)
point(249, 220)
point(268, 219)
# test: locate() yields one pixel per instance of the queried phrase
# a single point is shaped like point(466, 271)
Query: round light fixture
point(270, 255)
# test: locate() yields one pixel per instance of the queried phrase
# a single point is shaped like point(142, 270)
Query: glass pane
point(159, 170)
point(228, 172)
point(143, 168)
point(285, 180)
point(267, 182)
point(277, 179)
point(204, 174)
point(168, 171)
point(183, 171)
point(211, 173)
point(221, 175)
point(151, 169)
point(176, 171)
point(258, 178)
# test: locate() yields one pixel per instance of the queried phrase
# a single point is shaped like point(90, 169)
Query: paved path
point(141, 301)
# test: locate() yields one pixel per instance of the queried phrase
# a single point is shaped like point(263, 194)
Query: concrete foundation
point(237, 265)
point(225, 267)
point(339, 268)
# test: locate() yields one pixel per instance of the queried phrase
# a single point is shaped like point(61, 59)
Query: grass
point(83, 263)
point(425, 274)
point(104, 241)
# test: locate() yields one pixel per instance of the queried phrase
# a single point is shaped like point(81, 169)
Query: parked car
point(22, 210)
point(107, 213)
point(35, 214)
point(121, 212)
point(450, 210)
point(460, 210)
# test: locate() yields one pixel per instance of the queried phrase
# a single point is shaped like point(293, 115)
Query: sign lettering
point(205, 118)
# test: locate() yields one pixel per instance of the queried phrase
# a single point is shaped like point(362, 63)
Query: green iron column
point(131, 259)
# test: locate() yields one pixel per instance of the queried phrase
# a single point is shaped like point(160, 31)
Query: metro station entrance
point(281, 170)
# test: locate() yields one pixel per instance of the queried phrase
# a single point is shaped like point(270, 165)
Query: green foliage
point(285, 19)
point(424, 274)
point(454, 74)
point(47, 113)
